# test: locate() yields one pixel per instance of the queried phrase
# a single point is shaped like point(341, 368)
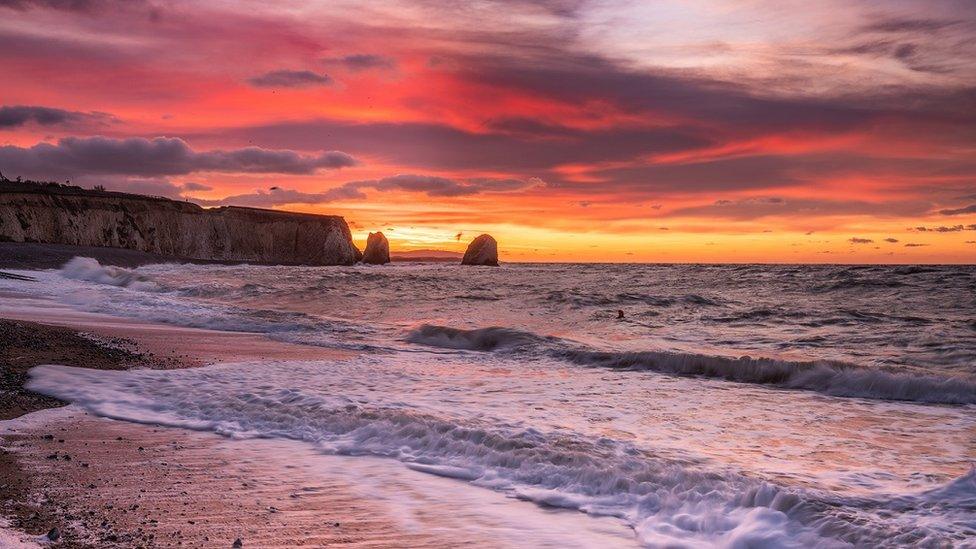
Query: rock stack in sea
point(377, 249)
point(483, 250)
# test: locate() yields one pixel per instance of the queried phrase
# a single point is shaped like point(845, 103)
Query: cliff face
point(168, 227)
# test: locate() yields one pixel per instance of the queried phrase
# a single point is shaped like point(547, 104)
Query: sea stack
point(482, 251)
point(377, 249)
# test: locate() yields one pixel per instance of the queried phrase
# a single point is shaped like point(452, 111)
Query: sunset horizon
point(501, 274)
point(571, 130)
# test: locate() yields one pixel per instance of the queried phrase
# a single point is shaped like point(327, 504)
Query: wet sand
point(112, 484)
point(161, 344)
point(105, 483)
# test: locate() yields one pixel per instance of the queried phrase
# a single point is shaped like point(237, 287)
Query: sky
point(571, 130)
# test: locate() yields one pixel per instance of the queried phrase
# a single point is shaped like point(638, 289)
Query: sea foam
point(667, 501)
point(88, 269)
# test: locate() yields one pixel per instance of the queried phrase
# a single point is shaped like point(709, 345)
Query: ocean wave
point(582, 299)
point(833, 378)
point(827, 377)
point(667, 501)
point(480, 339)
point(89, 269)
point(851, 283)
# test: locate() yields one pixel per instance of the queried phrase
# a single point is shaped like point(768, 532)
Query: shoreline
point(119, 484)
point(55, 460)
point(106, 483)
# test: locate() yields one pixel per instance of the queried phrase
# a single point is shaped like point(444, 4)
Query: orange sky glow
point(571, 130)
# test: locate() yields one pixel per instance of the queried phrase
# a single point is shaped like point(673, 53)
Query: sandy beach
point(105, 483)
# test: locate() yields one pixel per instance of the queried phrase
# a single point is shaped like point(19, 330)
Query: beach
point(501, 274)
point(56, 463)
point(106, 483)
point(316, 405)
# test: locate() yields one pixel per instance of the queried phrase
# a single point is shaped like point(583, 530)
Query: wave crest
point(89, 269)
point(828, 377)
point(480, 339)
point(833, 378)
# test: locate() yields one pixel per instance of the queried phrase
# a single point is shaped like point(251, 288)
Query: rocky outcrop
point(377, 249)
point(483, 250)
point(69, 215)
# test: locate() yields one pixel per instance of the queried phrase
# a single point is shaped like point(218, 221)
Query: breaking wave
point(89, 269)
point(828, 377)
point(480, 339)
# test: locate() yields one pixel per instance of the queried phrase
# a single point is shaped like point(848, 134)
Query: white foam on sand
point(422, 503)
point(667, 501)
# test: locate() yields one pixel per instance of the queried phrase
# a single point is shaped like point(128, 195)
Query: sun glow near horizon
point(740, 132)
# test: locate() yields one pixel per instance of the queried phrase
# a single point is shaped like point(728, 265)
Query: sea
point(693, 405)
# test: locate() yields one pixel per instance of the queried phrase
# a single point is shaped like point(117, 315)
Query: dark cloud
point(559, 8)
point(708, 113)
point(908, 25)
point(290, 79)
point(534, 148)
point(944, 229)
point(440, 186)
point(764, 171)
point(64, 5)
point(914, 245)
point(581, 79)
point(905, 51)
point(880, 48)
point(856, 240)
point(363, 62)
point(566, 9)
point(279, 197)
point(88, 7)
point(191, 186)
point(436, 146)
point(908, 53)
point(958, 211)
point(876, 48)
point(18, 115)
point(426, 184)
point(756, 208)
point(160, 156)
point(701, 113)
point(891, 240)
point(151, 186)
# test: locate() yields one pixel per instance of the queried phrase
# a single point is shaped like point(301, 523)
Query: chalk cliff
point(70, 215)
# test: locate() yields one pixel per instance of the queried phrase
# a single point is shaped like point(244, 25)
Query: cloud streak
point(290, 79)
point(160, 156)
point(14, 116)
point(358, 62)
point(959, 211)
point(428, 185)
